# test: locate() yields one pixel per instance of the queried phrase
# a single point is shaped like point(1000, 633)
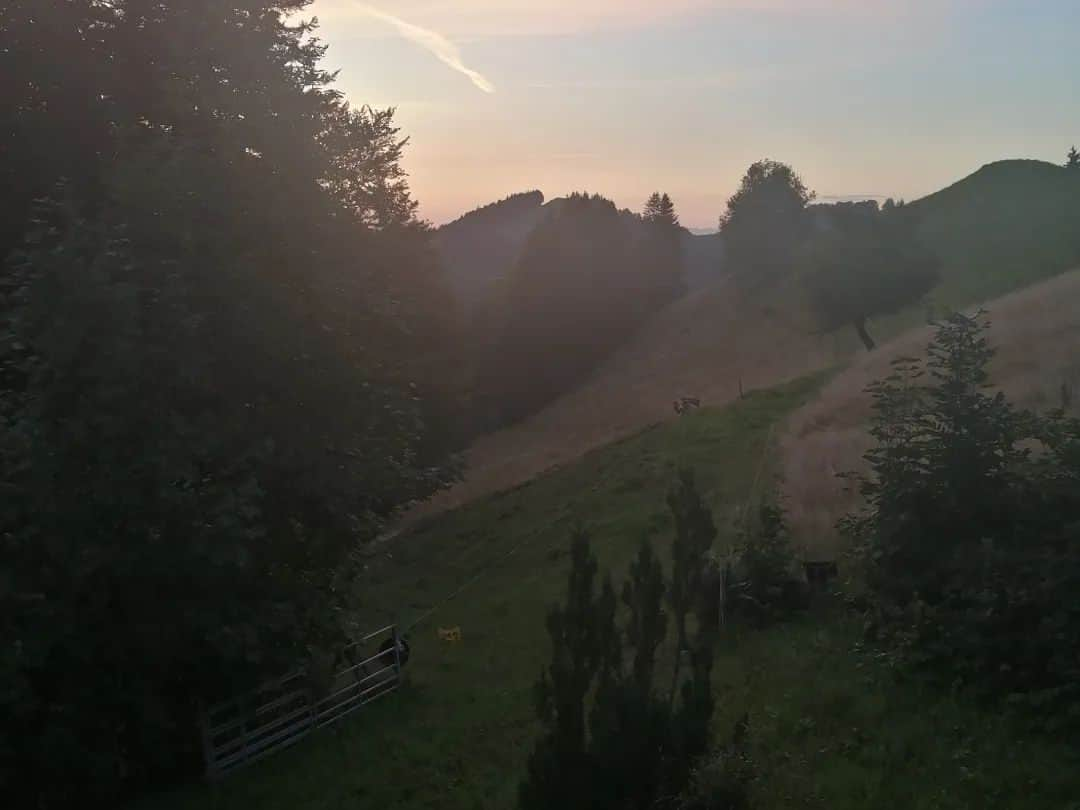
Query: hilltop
point(481, 247)
point(1009, 224)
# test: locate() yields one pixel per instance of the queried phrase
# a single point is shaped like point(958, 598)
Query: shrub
point(971, 534)
point(762, 580)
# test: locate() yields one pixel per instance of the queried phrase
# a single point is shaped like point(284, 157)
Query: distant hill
point(703, 259)
point(1005, 227)
point(479, 248)
point(1008, 225)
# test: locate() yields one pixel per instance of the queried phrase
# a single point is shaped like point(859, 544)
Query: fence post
point(397, 654)
point(208, 742)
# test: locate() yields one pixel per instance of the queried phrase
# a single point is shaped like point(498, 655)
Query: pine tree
point(1072, 160)
point(660, 210)
point(667, 213)
point(694, 534)
point(651, 212)
point(584, 647)
point(688, 595)
point(639, 743)
point(629, 724)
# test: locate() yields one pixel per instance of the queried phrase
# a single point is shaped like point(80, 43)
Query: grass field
point(830, 725)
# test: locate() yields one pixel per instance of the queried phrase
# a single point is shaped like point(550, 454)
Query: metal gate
point(284, 711)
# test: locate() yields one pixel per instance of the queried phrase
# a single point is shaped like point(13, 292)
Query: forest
point(235, 359)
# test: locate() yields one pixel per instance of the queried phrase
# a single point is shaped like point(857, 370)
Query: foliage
point(630, 722)
point(659, 251)
point(214, 296)
point(762, 581)
point(765, 222)
point(1008, 225)
point(583, 643)
point(724, 779)
point(478, 249)
point(1072, 160)
point(659, 209)
point(863, 263)
point(971, 532)
point(588, 277)
point(833, 722)
point(639, 744)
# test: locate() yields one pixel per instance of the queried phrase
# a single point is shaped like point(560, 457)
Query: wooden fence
point(284, 711)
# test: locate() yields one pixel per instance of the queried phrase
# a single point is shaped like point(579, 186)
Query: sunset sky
point(863, 97)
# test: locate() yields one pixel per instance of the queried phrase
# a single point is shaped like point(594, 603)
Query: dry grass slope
point(700, 346)
point(1037, 334)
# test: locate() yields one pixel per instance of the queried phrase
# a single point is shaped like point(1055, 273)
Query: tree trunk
point(864, 336)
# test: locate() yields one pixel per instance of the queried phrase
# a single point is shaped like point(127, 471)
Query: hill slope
point(1037, 335)
point(1005, 226)
point(478, 248)
point(830, 724)
point(1008, 225)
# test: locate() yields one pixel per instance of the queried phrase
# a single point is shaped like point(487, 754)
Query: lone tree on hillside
point(866, 263)
point(1072, 160)
point(765, 221)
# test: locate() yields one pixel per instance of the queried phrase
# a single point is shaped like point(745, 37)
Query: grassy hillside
point(831, 726)
point(1008, 225)
point(1036, 331)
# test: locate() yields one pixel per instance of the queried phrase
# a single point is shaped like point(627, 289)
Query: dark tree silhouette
point(660, 210)
point(215, 297)
point(1072, 160)
point(765, 221)
point(866, 263)
point(971, 528)
point(584, 644)
point(659, 251)
point(637, 744)
point(588, 276)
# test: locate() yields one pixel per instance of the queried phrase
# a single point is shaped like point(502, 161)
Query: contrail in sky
point(439, 46)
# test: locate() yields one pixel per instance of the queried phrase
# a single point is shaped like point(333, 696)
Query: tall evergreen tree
point(639, 743)
point(660, 210)
point(629, 724)
point(1072, 160)
point(206, 349)
point(584, 647)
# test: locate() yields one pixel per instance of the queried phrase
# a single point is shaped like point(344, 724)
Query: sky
point(623, 97)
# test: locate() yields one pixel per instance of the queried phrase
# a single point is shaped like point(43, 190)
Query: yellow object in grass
point(450, 633)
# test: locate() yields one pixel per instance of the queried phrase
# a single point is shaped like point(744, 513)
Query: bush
point(762, 580)
point(723, 781)
point(971, 535)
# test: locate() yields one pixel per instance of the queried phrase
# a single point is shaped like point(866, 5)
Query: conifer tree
point(584, 647)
